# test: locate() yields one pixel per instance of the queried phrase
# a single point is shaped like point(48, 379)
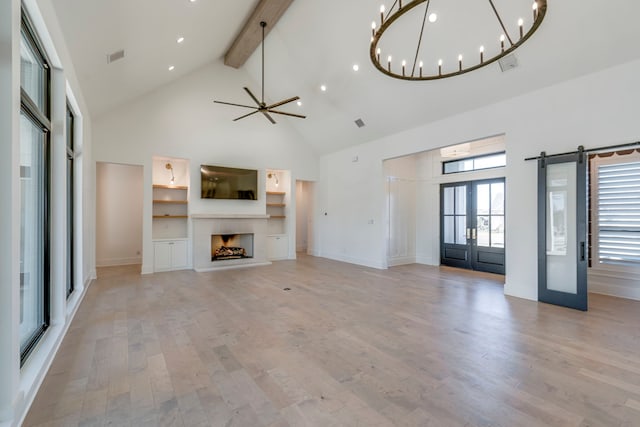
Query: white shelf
point(170, 211)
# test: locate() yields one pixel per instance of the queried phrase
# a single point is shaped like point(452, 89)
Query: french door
point(562, 230)
point(472, 224)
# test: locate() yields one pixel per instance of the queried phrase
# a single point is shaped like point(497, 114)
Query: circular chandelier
point(492, 41)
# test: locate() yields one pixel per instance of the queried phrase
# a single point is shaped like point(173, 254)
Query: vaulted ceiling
point(317, 43)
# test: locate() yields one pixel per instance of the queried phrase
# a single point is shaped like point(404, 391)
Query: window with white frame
point(615, 187)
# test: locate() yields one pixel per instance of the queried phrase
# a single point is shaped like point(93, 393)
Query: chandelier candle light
point(407, 71)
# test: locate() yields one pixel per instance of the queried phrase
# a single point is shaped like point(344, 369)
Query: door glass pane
point(482, 227)
point(561, 245)
point(461, 228)
point(482, 199)
point(449, 230)
point(461, 200)
point(32, 229)
point(497, 231)
point(448, 201)
point(497, 198)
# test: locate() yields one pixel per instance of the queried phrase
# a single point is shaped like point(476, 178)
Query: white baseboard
point(427, 260)
point(112, 262)
point(392, 262)
point(146, 269)
point(623, 282)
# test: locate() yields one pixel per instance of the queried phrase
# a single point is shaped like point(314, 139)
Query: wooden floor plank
point(346, 346)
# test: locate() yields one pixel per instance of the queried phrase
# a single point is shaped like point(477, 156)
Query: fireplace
point(205, 226)
point(231, 246)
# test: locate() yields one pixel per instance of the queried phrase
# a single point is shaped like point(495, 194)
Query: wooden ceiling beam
point(250, 36)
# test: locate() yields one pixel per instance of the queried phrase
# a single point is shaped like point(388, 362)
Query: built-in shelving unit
point(170, 202)
point(277, 208)
point(170, 214)
point(276, 205)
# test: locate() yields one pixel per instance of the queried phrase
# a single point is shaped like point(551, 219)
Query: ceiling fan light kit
point(506, 42)
point(262, 106)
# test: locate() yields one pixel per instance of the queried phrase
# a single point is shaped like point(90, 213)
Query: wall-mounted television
point(217, 182)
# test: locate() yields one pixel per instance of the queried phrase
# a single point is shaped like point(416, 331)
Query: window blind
point(619, 212)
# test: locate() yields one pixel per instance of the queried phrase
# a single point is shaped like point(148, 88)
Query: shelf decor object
point(485, 33)
point(169, 167)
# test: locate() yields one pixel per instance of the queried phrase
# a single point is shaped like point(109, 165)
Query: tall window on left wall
point(35, 129)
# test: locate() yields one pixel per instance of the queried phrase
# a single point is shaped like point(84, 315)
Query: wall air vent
point(112, 57)
point(359, 123)
point(508, 62)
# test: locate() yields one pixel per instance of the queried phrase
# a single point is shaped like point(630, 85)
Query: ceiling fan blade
point(235, 105)
point(286, 101)
point(252, 96)
point(266, 114)
point(288, 114)
point(246, 115)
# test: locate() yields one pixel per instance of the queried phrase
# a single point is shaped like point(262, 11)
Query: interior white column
point(58, 205)
point(10, 207)
point(78, 220)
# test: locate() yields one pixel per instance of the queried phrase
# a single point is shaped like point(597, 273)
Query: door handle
point(582, 251)
point(473, 234)
point(468, 233)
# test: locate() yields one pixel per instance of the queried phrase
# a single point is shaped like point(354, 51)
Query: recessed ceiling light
point(299, 103)
point(192, 1)
point(433, 17)
point(180, 39)
point(171, 67)
point(323, 88)
point(356, 67)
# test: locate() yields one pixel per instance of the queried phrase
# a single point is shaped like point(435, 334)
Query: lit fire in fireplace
point(231, 246)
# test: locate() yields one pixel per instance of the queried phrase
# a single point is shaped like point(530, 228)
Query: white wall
point(181, 120)
point(594, 110)
point(119, 192)
point(401, 200)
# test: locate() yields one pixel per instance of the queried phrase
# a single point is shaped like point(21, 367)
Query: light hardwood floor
point(347, 345)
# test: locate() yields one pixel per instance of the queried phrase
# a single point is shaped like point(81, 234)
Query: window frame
point(32, 111)
point(71, 193)
point(472, 158)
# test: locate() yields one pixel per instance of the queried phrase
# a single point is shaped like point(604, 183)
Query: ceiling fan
point(262, 107)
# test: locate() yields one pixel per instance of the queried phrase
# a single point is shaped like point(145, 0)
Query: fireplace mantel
point(228, 216)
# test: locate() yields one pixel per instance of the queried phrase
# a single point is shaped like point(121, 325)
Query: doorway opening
point(304, 216)
point(413, 206)
point(119, 195)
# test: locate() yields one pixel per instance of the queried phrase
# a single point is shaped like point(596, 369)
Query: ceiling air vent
point(359, 123)
point(112, 57)
point(508, 62)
